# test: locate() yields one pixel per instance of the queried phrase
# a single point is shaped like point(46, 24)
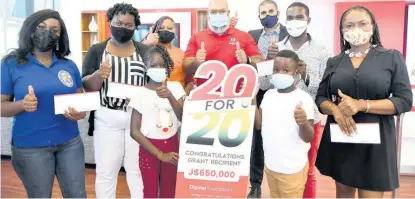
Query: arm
point(9, 108)
point(190, 64)
point(139, 137)
point(307, 131)
point(188, 87)
point(258, 115)
point(401, 100)
point(91, 78)
point(322, 99)
point(177, 106)
point(252, 51)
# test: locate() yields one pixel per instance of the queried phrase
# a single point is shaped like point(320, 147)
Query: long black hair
point(25, 36)
point(168, 62)
point(374, 40)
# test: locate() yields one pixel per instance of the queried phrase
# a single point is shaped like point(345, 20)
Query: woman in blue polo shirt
point(43, 144)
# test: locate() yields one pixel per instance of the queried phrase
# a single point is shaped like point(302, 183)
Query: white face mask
point(282, 81)
point(296, 27)
point(218, 23)
point(157, 74)
point(357, 36)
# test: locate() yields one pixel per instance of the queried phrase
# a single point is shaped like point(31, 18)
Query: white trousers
point(114, 147)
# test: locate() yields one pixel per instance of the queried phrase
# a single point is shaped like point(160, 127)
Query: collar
point(34, 60)
point(287, 41)
point(277, 30)
point(229, 31)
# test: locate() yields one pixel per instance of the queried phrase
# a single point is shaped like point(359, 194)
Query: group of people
point(365, 83)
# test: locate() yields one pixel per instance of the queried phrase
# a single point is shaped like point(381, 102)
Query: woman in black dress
point(364, 84)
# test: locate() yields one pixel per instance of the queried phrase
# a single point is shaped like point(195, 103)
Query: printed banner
point(216, 135)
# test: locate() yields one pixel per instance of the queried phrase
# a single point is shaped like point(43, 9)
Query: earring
point(57, 46)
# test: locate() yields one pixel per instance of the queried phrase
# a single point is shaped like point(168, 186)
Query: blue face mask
point(219, 20)
point(269, 21)
point(157, 74)
point(282, 81)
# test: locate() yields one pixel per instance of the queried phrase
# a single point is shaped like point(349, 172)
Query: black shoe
point(255, 192)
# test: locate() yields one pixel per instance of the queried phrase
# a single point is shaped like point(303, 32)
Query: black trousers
point(256, 172)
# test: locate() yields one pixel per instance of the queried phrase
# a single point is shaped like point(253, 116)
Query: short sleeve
point(6, 79)
point(77, 74)
point(322, 94)
point(264, 102)
point(191, 48)
point(91, 61)
point(251, 48)
point(400, 88)
point(308, 106)
point(136, 100)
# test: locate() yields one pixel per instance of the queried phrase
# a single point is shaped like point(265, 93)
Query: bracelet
point(159, 155)
point(367, 106)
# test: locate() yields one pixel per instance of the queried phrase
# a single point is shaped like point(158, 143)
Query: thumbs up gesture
point(349, 106)
point(201, 53)
point(273, 48)
point(105, 68)
point(234, 19)
point(300, 115)
point(152, 38)
point(30, 100)
point(240, 54)
point(163, 91)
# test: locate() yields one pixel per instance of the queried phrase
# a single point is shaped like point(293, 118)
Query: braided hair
point(375, 40)
point(168, 62)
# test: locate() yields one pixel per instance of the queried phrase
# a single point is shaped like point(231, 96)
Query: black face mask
point(44, 40)
point(166, 36)
point(122, 35)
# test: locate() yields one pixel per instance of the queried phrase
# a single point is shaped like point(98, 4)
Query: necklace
point(358, 54)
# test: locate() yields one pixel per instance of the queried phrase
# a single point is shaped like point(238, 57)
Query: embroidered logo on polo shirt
point(65, 78)
point(232, 41)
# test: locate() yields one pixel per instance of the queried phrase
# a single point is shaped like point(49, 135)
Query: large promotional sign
point(216, 135)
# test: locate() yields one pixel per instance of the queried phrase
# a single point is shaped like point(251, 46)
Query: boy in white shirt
point(286, 118)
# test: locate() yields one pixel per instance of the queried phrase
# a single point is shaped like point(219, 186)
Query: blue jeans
point(36, 168)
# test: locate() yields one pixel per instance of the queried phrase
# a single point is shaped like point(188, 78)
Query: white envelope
point(367, 133)
point(265, 68)
point(175, 87)
point(80, 101)
point(121, 91)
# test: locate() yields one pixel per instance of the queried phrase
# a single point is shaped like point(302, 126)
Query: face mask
point(122, 35)
point(166, 36)
point(269, 21)
point(282, 81)
point(357, 36)
point(296, 27)
point(44, 40)
point(218, 20)
point(157, 74)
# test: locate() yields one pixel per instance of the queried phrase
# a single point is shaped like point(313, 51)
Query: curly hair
point(25, 37)
point(168, 62)
point(375, 40)
point(124, 8)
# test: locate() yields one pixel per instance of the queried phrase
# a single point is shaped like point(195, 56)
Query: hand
point(171, 158)
point(348, 106)
point(30, 101)
point(74, 115)
point(163, 91)
point(127, 100)
point(346, 123)
point(300, 115)
point(302, 69)
point(201, 53)
point(105, 69)
point(234, 19)
point(152, 38)
point(273, 48)
point(240, 54)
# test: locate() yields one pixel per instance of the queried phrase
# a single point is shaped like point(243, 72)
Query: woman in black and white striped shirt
point(119, 60)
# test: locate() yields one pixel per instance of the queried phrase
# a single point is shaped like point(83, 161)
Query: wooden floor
point(11, 187)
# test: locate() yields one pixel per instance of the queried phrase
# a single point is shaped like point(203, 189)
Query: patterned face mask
point(357, 36)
